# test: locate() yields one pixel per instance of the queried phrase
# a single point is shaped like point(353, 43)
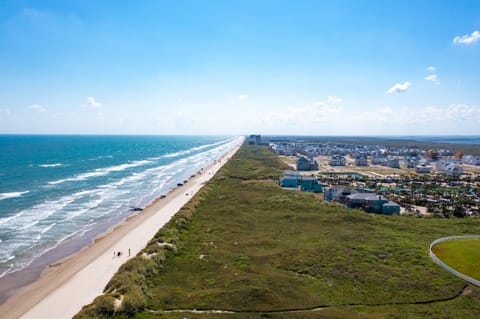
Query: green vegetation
point(246, 246)
point(461, 254)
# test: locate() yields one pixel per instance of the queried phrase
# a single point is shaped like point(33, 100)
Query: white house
point(471, 160)
point(423, 169)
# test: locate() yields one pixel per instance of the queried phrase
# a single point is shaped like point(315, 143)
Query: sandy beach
point(66, 286)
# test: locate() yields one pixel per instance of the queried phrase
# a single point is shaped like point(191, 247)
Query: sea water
point(54, 189)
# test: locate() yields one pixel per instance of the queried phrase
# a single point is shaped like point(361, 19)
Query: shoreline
point(82, 275)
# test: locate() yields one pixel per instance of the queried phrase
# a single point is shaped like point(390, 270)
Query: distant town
point(383, 179)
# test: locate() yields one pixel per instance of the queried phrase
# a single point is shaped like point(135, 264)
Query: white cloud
point(334, 99)
point(432, 77)
point(399, 88)
point(92, 102)
point(431, 69)
point(467, 38)
point(242, 97)
point(38, 107)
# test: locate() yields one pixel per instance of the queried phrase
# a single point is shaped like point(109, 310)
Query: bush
point(104, 306)
point(133, 302)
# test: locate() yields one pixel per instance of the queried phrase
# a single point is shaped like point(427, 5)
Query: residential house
point(471, 160)
point(307, 164)
point(310, 184)
point(423, 169)
point(290, 179)
point(337, 160)
point(361, 160)
point(393, 162)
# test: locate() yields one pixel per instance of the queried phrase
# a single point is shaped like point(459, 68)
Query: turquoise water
point(56, 188)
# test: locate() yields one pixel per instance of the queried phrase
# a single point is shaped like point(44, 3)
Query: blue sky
point(239, 67)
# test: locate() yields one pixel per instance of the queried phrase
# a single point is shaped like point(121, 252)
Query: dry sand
point(66, 286)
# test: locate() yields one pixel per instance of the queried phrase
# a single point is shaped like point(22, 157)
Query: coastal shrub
point(124, 281)
point(104, 306)
point(133, 302)
point(159, 258)
point(141, 266)
point(87, 312)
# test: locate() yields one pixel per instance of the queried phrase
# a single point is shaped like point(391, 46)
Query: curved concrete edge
point(448, 268)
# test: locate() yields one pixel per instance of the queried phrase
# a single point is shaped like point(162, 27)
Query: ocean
point(55, 190)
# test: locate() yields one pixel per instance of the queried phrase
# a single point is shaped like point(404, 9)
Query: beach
point(67, 285)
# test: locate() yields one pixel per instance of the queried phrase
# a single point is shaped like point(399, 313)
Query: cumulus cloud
point(399, 88)
point(38, 107)
point(92, 102)
point(334, 99)
point(242, 97)
point(431, 69)
point(467, 38)
point(432, 77)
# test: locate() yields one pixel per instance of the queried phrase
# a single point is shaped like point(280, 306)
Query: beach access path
point(66, 286)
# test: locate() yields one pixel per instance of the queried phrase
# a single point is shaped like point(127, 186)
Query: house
point(379, 160)
point(391, 208)
point(333, 193)
point(357, 200)
point(393, 162)
point(361, 161)
point(453, 170)
point(307, 164)
point(337, 160)
point(411, 163)
point(423, 169)
point(372, 203)
point(310, 184)
point(290, 179)
point(375, 203)
point(471, 160)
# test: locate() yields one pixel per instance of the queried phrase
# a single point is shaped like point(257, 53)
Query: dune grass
point(461, 254)
point(247, 246)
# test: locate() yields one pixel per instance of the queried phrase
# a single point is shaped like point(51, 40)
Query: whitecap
point(101, 172)
point(12, 194)
point(50, 165)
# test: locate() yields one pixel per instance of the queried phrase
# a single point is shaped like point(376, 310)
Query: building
point(372, 203)
point(255, 140)
point(332, 193)
point(310, 184)
point(393, 162)
point(307, 164)
point(453, 170)
point(290, 179)
point(379, 160)
point(337, 160)
point(411, 163)
point(391, 208)
point(471, 160)
point(361, 160)
point(423, 169)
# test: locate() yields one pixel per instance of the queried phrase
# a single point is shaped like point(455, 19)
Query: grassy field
point(245, 248)
point(462, 255)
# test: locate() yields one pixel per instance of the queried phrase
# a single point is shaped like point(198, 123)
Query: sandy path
point(65, 287)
